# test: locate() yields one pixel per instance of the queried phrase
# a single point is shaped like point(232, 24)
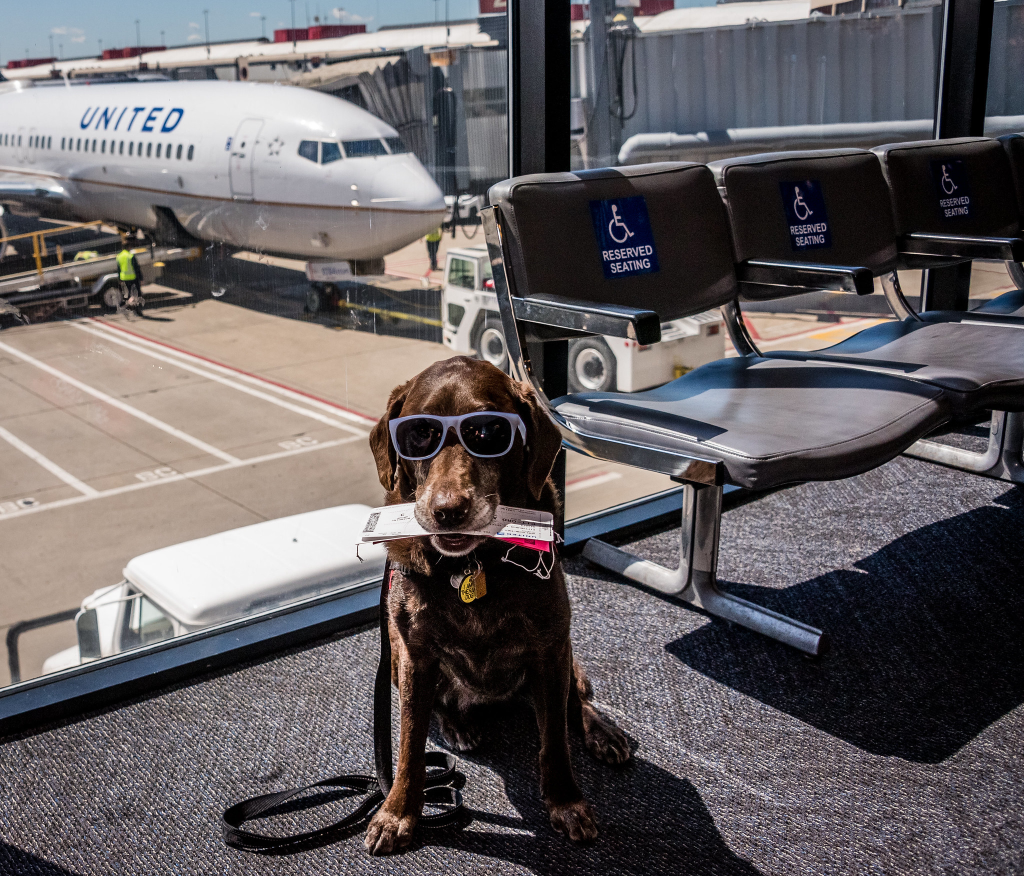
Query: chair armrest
point(920, 245)
point(761, 272)
point(618, 321)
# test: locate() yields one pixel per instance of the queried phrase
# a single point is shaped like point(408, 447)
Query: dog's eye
point(418, 438)
point(487, 435)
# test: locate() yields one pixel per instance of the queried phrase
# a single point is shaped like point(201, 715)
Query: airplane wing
point(35, 195)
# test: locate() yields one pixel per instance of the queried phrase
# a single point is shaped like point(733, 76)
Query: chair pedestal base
point(695, 581)
point(1003, 459)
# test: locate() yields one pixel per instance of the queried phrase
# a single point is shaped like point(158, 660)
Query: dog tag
point(473, 587)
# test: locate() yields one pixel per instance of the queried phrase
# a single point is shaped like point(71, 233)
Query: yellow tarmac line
point(817, 334)
point(393, 314)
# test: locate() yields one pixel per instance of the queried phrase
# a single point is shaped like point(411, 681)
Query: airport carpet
point(900, 752)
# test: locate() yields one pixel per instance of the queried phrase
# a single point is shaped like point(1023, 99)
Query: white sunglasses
point(484, 434)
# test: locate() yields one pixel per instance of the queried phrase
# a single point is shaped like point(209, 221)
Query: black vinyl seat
point(616, 251)
point(768, 422)
point(961, 358)
point(794, 214)
point(955, 200)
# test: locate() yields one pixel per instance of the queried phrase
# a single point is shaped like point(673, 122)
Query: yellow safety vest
point(124, 264)
point(434, 236)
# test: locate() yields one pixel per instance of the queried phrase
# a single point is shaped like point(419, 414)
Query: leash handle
point(441, 790)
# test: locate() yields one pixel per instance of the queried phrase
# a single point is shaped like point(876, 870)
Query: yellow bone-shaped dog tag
point(473, 586)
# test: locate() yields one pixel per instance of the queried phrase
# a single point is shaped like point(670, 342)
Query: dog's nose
point(450, 509)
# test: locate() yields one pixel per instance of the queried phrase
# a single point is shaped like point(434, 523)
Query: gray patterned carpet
point(897, 753)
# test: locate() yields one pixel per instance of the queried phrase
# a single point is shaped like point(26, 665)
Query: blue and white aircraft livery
point(263, 167)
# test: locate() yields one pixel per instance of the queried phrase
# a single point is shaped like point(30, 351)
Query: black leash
point(441, 789)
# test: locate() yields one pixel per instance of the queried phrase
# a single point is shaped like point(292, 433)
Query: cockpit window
point(364, 148)
point(396, 145)
point(329, 151)
point(308, 149)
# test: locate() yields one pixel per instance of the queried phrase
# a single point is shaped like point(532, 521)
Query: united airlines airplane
point(263, 167)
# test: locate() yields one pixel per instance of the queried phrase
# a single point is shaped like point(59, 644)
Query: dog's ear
point(543, 439)
point(380, 438)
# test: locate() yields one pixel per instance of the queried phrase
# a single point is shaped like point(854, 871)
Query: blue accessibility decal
point(624, 236)
point(805, 212)
point(953, 187)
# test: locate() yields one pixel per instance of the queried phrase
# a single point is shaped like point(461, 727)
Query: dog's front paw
point(605, 741)
point(575, 820)
point(388, 833)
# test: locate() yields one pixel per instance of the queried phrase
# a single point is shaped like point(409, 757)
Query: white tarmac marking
point(234, 373)
point(208, 373)
point(120, 405)
point(592, 481)
point(48, 464)
point(176, 477)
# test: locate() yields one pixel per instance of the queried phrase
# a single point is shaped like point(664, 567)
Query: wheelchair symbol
point(948, 186)
point(799, 207)
point(618, 223)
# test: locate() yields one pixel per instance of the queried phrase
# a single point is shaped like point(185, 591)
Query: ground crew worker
point(129, 273)
point(433, 242)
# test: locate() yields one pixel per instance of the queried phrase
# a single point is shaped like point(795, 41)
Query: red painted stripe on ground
point(309, 395)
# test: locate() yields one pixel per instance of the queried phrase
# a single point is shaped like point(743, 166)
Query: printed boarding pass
point(522, 526)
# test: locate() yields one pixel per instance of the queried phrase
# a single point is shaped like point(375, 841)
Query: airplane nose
point(406, 202)
point(403, 183)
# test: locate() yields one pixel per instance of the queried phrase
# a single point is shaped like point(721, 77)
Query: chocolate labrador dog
point(459, 439)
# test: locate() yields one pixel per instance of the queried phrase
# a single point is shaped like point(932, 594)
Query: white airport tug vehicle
point(233, 574)
point(471, 325)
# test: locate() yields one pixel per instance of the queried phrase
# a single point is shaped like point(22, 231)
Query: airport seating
point(796, 216)
point(954, 201)
point(568, 249)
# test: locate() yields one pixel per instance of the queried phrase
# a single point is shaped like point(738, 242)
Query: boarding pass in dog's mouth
point(521, 526)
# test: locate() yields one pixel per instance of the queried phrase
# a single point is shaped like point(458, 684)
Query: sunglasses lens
point(486, 435)
point(418, 437)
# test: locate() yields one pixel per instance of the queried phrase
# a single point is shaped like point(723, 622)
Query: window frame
point(538, 127)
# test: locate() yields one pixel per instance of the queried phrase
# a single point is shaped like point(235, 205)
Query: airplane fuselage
point(264, 167)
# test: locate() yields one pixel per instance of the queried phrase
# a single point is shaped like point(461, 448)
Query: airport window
point(461, 273)
point(364, 148)
point(195, 451)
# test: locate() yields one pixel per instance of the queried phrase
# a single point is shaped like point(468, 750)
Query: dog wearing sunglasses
point(459, 439)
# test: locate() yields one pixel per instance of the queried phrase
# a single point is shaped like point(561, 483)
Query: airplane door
point(19, 149)
point(243, 151)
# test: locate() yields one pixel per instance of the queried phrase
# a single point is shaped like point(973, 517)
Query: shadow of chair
point(927, 640)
